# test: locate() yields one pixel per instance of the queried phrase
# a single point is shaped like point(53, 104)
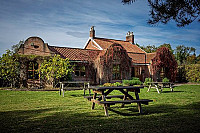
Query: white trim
point(99, 47)
point(87, 42)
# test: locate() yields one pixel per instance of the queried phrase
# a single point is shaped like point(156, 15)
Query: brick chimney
point(92, 32)
point(130, 37)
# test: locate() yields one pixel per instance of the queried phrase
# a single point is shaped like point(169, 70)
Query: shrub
point(147, 80)
point(107, 84)
point(165, 80)
point(117, 84)
point(193, 73)
point(134, 81)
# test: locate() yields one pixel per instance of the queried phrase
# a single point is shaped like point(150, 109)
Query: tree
point(55, 68)
point(149, 48)
point(182, 53)
point(9, 68)
point(183, 12)
point(16, 47)
point(167, 46)
point(165, 61)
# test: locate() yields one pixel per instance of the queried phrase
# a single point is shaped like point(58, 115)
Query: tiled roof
point(105, 43)
point(137, 58)
point(75, 53)
point(150, 56)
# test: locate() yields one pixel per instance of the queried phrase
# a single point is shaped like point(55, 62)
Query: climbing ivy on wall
point(115, 54)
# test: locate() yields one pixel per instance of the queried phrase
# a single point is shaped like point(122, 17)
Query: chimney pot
point(130, 37)
point(92, 32)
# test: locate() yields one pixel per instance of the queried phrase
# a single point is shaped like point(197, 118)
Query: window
point(32, 70)
point(79, 70)
point(116, 72)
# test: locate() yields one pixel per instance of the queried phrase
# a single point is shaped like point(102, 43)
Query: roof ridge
point(75, 48)
point(109, 39)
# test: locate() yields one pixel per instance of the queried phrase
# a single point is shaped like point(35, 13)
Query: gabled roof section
point(150, 56)
point(105, 43)
point(93, 44)
point(137, 58)
point(75, 54)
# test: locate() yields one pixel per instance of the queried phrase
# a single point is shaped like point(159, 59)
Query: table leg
point(149, 88)
point(157, 88)
point(125, 97)
point(63, 90)
point(139, 104)
point(60, 88)
point(105, 106)
point(106, 110)
point(171, 87)
point(94, 97)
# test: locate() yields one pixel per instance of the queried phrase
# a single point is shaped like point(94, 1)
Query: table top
point(116, 87)
point(74, 82)
point(160, 82)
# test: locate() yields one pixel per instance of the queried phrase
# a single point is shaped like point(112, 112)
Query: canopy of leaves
point(9, 68)
point(55, 67)
point(183, 54)
point(164, 60)
point(183, 12)
point(193, 72)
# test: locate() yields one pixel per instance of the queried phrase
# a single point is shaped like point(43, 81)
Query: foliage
point(165, 80)
point(9, 68)
point(16, 47)
point(167, 45)
point(55, 68)
point(114, 54)
point(149, 48)
point(192, 59)
point(164, 60)
point(133, 81)
point(153, 48)
point(112, 84)
point(183, 12)
point(107, 84)
point(183, 54)
point(193, 72)
point(147, 80)
point(117, 84)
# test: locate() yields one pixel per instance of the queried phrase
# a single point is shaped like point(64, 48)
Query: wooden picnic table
point(160, 85)
point(65, 86)
point(127, 98)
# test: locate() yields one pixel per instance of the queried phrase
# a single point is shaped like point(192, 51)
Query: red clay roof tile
point(75, 53)
point(105, 43)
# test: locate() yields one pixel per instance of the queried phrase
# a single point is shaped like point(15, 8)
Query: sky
point(67, 23)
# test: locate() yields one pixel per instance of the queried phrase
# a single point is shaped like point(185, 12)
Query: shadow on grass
point(172, 91)
point(156, 118)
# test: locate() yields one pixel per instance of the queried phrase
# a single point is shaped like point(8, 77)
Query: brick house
point(101, 60)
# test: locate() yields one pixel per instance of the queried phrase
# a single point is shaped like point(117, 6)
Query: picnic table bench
point(160, 85)
point(76, 85)
point(126, 97)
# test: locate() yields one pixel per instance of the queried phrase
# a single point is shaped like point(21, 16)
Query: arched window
point(32, 70)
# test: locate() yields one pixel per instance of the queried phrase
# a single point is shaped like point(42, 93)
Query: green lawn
point(46, 111)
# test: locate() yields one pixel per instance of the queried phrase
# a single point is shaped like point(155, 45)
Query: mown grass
point(39, 111)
